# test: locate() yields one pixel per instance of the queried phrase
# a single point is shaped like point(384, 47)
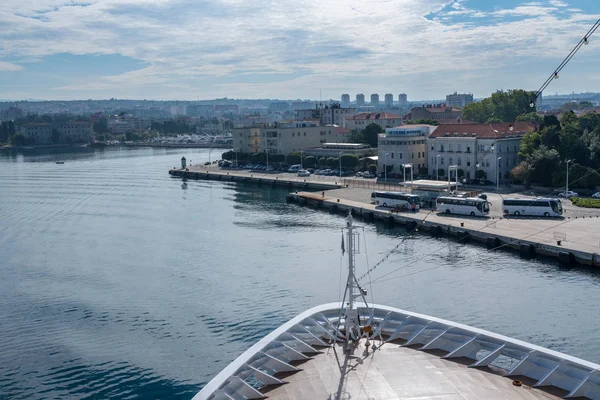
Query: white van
point(295, 168)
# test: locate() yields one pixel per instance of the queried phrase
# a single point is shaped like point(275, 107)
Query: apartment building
point(405, 144)
point(69, 132)
point(285, 138)
point(383, 119)
point(327, 115)
point(459, 99)
point(438, 112)
point(491, 148)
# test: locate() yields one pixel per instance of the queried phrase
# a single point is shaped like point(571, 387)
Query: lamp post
point(567, 187)
point(385, 167)
point(301, 164)
point(236, 161)
point(341, 152)
point(498, 175)
point(437, 170)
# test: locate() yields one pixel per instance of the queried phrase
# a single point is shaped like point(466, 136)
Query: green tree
point(322, 161)
point(18, 140)
point(500, 107)
point(520, 173)
point(589, 121)
point(531, 141)
point(541, 162)
point(480, 174)
point(332, 162)
point(424, 121)
point(293, 158)
point(349, 160)
point(531, 117)
point(357, 136)
point(309, 162)
point(371, 134)
point(55, 138)
point(441, 172)
point(372, 169)
point(101, 126)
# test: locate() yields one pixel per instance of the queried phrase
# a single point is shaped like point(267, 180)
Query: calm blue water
point(117, 281)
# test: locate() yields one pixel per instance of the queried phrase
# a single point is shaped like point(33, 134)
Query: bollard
point(462, 224)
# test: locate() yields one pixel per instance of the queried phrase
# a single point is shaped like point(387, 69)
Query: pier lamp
point(498, 175)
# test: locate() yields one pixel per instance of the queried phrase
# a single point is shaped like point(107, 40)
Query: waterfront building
point(375, 99)
point(69, 132)
point(383, 119)
point(439, 112)
point(360, 100)
point(285, 138)
point(459, 99)
point(402, 99)
point(405, 144)
point(333, 150)
point(345, 100)
point(473, 147)
point(389, 100)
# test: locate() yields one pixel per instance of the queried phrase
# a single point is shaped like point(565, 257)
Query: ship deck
point(395, 372)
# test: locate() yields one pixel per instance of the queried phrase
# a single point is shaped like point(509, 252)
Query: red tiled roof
point(341, 131)
point(374, 115)
point(483, 131)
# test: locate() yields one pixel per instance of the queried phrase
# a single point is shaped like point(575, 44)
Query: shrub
point(373, 169)
point(586, 203)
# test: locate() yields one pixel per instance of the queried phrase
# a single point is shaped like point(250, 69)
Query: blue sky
point(289, 49)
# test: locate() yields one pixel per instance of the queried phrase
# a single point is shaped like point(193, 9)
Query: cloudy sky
point(289, 49)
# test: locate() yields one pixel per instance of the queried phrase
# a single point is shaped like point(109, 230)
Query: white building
point(327, 115)
point(405, 144)
point(346, 100)
point(374, 99)
point(473, 147)
point(360, 100)
point(459, 99)
point(389, 100)
point(383, 119)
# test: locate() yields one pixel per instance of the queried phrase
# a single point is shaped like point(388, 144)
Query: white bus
point(395, 199)
point(473, 206)
point(539, 207)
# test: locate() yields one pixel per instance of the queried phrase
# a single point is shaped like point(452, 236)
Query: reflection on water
point(119, 281)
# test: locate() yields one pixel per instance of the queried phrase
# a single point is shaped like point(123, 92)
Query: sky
point(291, 49)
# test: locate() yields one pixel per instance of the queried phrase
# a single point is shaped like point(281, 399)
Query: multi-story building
point(345, 100)
point(389, 100)
point(405, 144)
point(68, 132)
point(279, 106)
point(439, 112)
point(303, 105)
point(375, 99)
point(402, 99)
point(360, 100)
point(459, 99)
point(327, 115)
point(383, 119)
point(473, 147)
point(285, 138)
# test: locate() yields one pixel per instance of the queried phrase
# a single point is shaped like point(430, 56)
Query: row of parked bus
point(472, 206)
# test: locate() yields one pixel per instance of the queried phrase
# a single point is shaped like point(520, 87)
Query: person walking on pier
point(414, 207)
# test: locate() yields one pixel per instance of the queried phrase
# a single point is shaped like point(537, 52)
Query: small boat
point(59, 162)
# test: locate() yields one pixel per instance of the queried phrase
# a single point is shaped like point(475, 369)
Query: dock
point(571, 240)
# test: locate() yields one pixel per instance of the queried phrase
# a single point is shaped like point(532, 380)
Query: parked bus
point(539, 207)
point(473, 206)
point(395, 199)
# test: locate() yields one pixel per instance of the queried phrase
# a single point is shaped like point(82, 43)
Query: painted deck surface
point(394, 372)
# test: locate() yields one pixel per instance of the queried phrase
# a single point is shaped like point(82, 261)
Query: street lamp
point(498, 175)
point(437, 171)
point(341, 152)
point(301, 164)
point(567, 187)
point(267, 151)
point(385, 167)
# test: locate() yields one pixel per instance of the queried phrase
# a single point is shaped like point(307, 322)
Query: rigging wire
point(554, 75)
point(368, 269)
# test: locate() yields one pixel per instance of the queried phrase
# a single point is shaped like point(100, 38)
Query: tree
point(293, 158)
point(349, 160)
point(101, 126)
point(460, 172)
point(332, 162)
point(520, 173)
point(309, 162)
point(500, 107)
point(322, 161)
point(372, 169)
point(530, 142)
point(55, 138)
point(424, 121)
point(228, 155)
point(541, 162)
point(371, 134)
point(589, 121)
point(441, 172)
point(531, 117)
point(357, 136)
point(480, 174)
point(18, 140)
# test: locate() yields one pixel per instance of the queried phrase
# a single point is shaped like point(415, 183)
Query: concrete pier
point(571, 241)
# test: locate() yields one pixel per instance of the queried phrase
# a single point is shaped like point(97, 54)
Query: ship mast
point(353, 290)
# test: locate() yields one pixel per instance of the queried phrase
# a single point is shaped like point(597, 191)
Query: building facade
point(405, 144)
point(327, 115)
point(402, 99)
point(287, 138)
point(360, 100)
point(383, 119)
point(345, 100)
point(389, 100)
point(439, 112)
point(459, 99)
point(474, 147)
point(375, 99)
point(68, 132)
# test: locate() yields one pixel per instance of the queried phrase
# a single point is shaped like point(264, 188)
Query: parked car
point(303, 172)
point(207, 163)
point(568, 194)
point(596, 195)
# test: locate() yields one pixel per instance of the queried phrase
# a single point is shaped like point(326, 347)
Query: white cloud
point(558, 3)
point(7, 67)
point(253, 49)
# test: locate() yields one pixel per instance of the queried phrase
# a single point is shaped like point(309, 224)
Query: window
point(459, 147)
point(468, 163)
point(419, 154)
point(450, 159)
point(400, 156)
point(293, 134)
point(392, 154)
point(468, 149)
point(487, 163)
point(412, 156)
point(459, 162)
point(442, 160)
